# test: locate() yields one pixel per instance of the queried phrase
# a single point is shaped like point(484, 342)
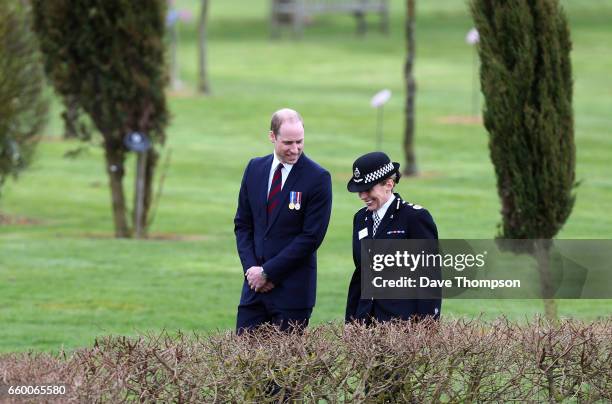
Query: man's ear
point(272, 136)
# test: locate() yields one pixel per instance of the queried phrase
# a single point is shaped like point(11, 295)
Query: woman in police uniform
point(385, 216)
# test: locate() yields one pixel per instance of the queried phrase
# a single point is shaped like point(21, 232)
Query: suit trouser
point(252, 315)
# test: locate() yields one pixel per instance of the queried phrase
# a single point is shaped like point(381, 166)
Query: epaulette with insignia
point(413, 206)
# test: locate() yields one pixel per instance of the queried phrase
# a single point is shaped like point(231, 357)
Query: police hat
point(370, 169)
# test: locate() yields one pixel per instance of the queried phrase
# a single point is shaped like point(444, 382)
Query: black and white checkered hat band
point(378, 174)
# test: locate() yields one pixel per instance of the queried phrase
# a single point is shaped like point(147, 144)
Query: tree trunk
point(114, 167)
point(362, 25)
point(175, 79)
point(203, 85)
point(410, 167)
point(152, 157)
point(384, 18)
point(149, 171)
point(138, 213)
point(70, 117)
point(542, 254)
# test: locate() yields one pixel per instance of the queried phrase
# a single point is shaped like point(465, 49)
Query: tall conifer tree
point(23, 109)
point(107, 56)
point(526, 79)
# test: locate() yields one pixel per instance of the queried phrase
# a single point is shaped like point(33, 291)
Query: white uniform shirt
point(383, 209)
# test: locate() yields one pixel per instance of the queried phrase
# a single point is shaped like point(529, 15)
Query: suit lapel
point(284, 196)
point(370, 223)
point(264, 177)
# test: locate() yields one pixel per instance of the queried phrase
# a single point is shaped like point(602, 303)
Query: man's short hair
point(284, 115)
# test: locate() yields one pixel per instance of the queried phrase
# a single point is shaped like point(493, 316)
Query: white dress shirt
point(383, 209)
point(284, 173)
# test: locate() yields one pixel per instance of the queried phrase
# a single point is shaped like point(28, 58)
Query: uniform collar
point(383, 209)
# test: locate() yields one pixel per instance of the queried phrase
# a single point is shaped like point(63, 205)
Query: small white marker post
point(139, 143)
point(473, 38)
point(378, 101)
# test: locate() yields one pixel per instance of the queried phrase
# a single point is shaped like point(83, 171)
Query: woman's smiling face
point(375, 197)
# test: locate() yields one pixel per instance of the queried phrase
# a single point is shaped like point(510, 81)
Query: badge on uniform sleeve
point(295, 200)
point(363, 232)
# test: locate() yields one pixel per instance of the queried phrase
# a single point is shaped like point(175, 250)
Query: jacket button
point(265, 239)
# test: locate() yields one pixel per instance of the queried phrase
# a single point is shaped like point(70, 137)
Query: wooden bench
point(296, 12)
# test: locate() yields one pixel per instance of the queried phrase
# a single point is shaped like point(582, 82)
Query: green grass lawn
point(64, 280)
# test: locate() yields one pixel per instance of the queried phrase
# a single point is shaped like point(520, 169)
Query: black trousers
point(253, 315)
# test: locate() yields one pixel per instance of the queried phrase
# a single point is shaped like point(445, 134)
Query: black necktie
point(376, 223)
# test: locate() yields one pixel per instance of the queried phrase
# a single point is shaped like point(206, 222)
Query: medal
point(292, 200)
point(298, 202)
point(295, 199)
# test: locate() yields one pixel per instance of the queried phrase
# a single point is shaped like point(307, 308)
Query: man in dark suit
point(283, 211)
point(385, 216)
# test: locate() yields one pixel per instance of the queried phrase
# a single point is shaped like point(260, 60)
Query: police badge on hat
point(356, 175)
point(370, 169)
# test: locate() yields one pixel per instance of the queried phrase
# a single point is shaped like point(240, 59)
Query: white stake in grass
point(473, 38)
point(378, 101)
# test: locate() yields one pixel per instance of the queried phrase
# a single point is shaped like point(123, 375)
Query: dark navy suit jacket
point(286, 244)
point(402, 220)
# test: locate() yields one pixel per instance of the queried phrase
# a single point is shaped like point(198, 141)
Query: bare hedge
point(450, 361)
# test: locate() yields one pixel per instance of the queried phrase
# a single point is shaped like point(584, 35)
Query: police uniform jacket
point(402, 220)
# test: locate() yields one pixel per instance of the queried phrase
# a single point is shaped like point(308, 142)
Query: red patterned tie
point(275, 188)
